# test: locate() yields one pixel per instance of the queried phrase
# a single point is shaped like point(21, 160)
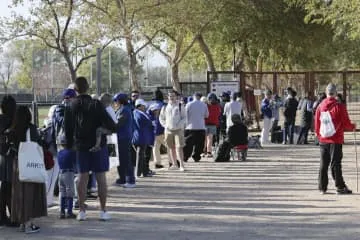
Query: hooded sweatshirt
point(339, 117)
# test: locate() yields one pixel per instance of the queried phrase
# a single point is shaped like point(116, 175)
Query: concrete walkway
point(271, 196)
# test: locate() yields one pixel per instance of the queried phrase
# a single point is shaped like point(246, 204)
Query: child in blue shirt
point(67, 160)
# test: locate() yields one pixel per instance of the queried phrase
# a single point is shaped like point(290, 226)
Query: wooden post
point(275, 86)
point(344, 85)
point(311, 78)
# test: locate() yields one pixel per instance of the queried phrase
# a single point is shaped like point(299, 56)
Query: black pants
point(330, 154)
point(194, 142)
point(5, 199)
point(148, 154)
point(289, 128)
point(304, 132)
point(273, 129)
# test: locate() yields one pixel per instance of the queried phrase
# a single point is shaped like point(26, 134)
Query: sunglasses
point(135, 96)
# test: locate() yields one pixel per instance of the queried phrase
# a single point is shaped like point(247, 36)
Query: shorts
point(96, 162)
point(211, 129)
point(174, 138)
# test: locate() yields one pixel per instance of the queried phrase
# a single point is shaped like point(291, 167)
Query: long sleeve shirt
point(173, 116)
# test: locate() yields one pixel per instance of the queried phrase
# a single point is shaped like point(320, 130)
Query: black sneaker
point(344, 190)
point(32, 229)
point(62, 215)
point(71, 216)
point(158, 166)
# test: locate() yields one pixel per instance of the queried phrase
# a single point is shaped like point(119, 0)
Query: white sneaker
point(81, 216)
point(182, 169)
point(173, 167)
point(104, 216)
point(129, 185)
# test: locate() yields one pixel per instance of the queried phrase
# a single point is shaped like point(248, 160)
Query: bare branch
point(56, 20)
point(103, 10)
point(92, 55)
point(187, 49)
point(168, 35)
point(70, 13)
point(149, 40)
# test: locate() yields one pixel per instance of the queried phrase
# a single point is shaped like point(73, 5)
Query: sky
point(155, 59)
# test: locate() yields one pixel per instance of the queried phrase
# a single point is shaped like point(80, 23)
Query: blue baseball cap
point(120, 96)
point(155, 106)
point(69, 93)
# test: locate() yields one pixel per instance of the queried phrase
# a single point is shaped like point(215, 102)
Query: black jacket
point(85, 116)
point(238, 135)
point(290, 106)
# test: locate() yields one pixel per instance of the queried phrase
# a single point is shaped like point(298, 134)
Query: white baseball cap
point(140, 102)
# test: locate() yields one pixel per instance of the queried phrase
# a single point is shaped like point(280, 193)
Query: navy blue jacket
point(266, 108)
point(143, 129)
point(125, 123)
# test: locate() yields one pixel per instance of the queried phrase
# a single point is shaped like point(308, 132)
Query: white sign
point(257, 92)
point(219, 87)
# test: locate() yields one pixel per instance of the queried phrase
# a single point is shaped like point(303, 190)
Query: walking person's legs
point(274, 125)
point(325, 159)
point(189, 144)
point(286, 132)
point(179, 144)
point(124, 157)
point(199, 143)
point(336, 168)
point(83, 179)
point(102, 189)
point(291, 130)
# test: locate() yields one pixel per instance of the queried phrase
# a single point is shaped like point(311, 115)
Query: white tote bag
point(327, 128)
point(31, 161)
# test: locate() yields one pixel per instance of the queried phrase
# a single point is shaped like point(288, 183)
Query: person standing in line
point(306, 118)
point(124, 135)
point(232, 107)
point(330, 141)
point(143, 136)
point(8, 110)
point(134, 96)
point(28, 199)
point(85, 116)
point(212, 122)
point(266, 110)
point(277, 103)
point(196, 112)
point(172, 118)
point(290, 106)
point(159, 129)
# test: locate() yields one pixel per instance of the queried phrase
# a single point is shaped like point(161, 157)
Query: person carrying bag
point(31, 161)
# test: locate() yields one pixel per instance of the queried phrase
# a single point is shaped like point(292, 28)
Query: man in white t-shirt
point(172, 118)
point(231, 108)
point(196, 112)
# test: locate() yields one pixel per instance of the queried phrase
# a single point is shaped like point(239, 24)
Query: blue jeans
point(126, 168)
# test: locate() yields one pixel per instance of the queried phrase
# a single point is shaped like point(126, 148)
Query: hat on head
point(155, 106)
point(331, 89)
point(120, 96)
point(69, 93)
point(139, 102)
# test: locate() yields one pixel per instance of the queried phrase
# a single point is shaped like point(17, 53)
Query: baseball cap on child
point(140, 102)
point(69, 93)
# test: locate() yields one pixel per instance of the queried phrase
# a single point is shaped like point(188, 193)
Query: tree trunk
point(71, 67)
point(175, 80)
point(134, 84)
point(208, 56)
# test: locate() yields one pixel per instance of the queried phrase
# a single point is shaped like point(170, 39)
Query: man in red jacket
point(331, 143)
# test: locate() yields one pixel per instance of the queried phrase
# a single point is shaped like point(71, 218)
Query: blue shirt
point(66, 159)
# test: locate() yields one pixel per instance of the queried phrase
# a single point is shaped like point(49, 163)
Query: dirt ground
point(273, 195)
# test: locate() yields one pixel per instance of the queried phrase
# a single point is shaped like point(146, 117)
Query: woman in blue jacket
point(143, 136)
point(124, 135)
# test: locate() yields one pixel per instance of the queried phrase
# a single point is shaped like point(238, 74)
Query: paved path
point(271, 196)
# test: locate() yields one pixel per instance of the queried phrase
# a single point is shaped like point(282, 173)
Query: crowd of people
point(76, 132)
